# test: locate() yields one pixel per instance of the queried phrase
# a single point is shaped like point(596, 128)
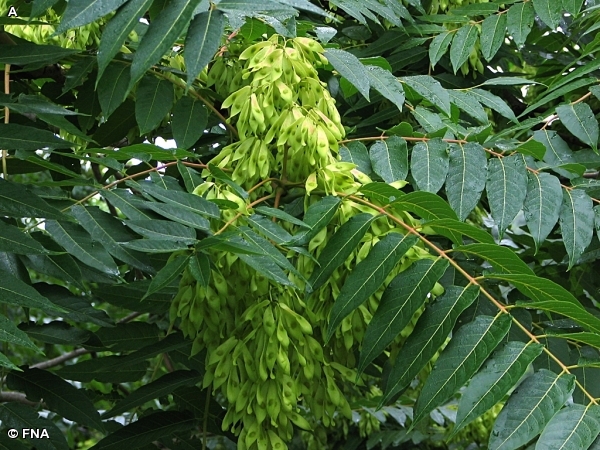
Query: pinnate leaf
point(572, 428)
point(579, 119)
point(493, 30)
point(405, 294)
point(462, 44)
point(460, 360)
point(350, 67)
point(202, 41)
point(576, 222)
point(429, 164)
point(520, 21)
point(429, 334)
point(501, 373)
point(530, 408)
point(389, 159)
point(542, 205)
point(368, 276)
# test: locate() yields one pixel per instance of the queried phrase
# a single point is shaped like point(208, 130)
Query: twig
point(130, 317)
point(16, 397)
point(61, 359)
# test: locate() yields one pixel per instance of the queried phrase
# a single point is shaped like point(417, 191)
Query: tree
point(291, 224)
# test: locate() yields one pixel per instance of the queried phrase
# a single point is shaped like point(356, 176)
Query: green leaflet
point(466, 177)
point(163, 229)
point(167, 274)
point(468, 103)
point(460, 360)
point(109, 231)
point(386, 84)
point(161, 35)
point(17, 201)
point(268, 250)
point(113, 87)
point(550, 12)
point(462, 44)
point(356, 153)
point(338, 248)
point(165, 385)
point(429, 164)
point(148, 429)
point(493, 30)
point(520, 21)
point(191, 178)
point(202, 41)
point(549, 296)
point(82, 12)
point(573, 428)
point(404, 295)
point(26, 53)
point(350, 67)
point(199, 267)
point(268, 228)
point(500, 374)
point(368, 276)
point(576, 223)
point(425, 204)
point(439, 47)
point(154, 99)
point(429, 334)
point(542, 205)
point(503, 259)
point(530, 408)
point(11, 334)
point(189, 120)
point(557, 153)
point(60, 396)
point(389, 159)
point(579, 119)
point(179, 214)
point(15, 415)
point(316, 217)
point(22, 137)
point(431, 90)
point(79, 244)
point(506, 188)
point(14, 240)
point(452, 227)
point(494, 102)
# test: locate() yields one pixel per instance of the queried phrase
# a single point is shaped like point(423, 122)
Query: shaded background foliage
point(487, 110)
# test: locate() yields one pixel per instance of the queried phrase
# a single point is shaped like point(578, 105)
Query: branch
point(61, 359)
point(16, 397)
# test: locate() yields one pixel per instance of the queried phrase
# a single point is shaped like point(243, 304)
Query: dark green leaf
point(78, 73)
point(530, 408)
point(154, 99)
point(382, 193)
point(467, 175)
point(189, 121)
point(181, 215)
point(218, 174)
point(580, 121)
point(165, 385)
point(501, 373)
point(148, 429)
point(161, 35)
point(493, 30)
point(199, 267)
point(427, 205)
point(506, 188)
point(41, 6)
point(389, 159)
point(56, 332)
point(350, 67)
point(557, 153)
point(15, 415)
point(117, 30)
point(202, 41)
point(386, 84)
point(317, 216)
point(431, 331)
point(80, 245)
point(12, 239)
point(82, 12)
point(11, 334)
point(167, 274)
point(494, 102)
point(439, 47)
point(572, 428)
point(406, 293)
point(549, 12)
point(15, 292)
point(368, 276)
point(163, 229)
point(6, 363)
point(155, 245)
point(104, 369)
point(58, 395)
point(30, 53)
point(128, 336)
point(469, 104)
point(131, 205)
point(269, 229)
point(460, 360)
point(109, 231)
point(79, 308)
point(520, 21)
point(503, 259)
point(20, 137)
point(429, 164)
point(113, 87)
point(431, 90)
point(576, 223)
point(542, 205)
point(549, 296)
point(356, 153)
point(279, 214)
point(338, 248)
point(462, 44)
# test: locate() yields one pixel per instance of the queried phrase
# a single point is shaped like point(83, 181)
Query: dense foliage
point(271, 224)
